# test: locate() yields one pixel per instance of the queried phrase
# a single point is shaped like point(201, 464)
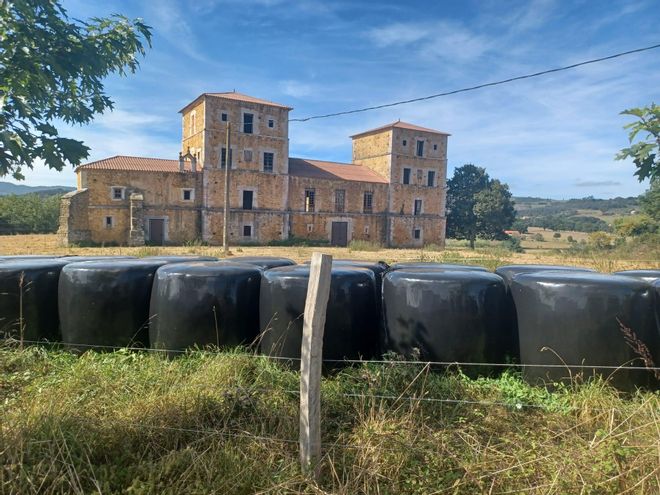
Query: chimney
point(181, 163)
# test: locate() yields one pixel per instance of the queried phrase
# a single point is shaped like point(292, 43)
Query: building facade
point(393, 192)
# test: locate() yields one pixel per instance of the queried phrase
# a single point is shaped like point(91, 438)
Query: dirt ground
point(455, 252)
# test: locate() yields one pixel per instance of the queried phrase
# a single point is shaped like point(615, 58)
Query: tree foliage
point(29, 213)
point(635, 225)
point(650, 200)
point(477, 205)
point(645, 152)
point(52, 69)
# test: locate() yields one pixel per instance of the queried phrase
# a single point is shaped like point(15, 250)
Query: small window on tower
point(309, 200)
point(223, 117)
point(418, 207)
point(406, 176)
point(368, 202)
point(117, 193)
point(420, 148)
point(271, 123)
point(109, 222)
point(405, 143)
point(248, 120)
point(435, 147)
point(188, 194)
point(269, 159)
point(247, 230)
point(223, 157)
point(310, 228)
point(417, 234)
point(247, 156)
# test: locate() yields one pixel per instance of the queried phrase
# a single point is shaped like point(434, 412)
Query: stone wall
point(74, 218)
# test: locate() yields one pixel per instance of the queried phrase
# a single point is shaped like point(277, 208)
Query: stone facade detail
point(392, 194)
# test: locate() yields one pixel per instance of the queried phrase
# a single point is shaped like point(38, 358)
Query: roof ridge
point(325, 161)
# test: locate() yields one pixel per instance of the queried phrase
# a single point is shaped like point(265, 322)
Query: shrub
point(513, 244)
point(538, 237)
point(556, 235)
point(601, 240)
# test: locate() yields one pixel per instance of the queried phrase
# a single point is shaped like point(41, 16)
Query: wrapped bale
point(649, 275)
point(180, 258)
point(265, 262)
point(447, 316)
point(204, 304)
point(28, 298)
point(577, 318)
point(28, 257)
point(351, 325)
point(421, 265)
point(105, 304)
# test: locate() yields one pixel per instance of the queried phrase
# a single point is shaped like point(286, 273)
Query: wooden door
point(339, 234)
point(157, 231)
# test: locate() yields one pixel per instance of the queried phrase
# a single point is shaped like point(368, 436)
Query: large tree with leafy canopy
point(645, 152)
point(52, 69)
point(477, 205)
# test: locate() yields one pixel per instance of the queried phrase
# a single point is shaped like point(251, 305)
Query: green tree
point(644, 153)
point(477, 205)
point(51, 69)
point(635, 225)
point(29, 214)
point(650, 200)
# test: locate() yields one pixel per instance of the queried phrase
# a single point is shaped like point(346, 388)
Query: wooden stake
point(311, 354)
point(225, 221)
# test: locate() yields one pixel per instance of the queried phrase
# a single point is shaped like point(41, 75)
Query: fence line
point(66, 346)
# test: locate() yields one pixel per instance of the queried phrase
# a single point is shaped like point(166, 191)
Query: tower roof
point(401, 125)
point(233, 95)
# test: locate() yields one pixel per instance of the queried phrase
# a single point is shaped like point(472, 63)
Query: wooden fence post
point(311, 354)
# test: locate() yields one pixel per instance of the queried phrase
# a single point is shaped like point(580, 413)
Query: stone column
point(136, 234)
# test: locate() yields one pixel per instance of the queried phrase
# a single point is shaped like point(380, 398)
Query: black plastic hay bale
point(28, 298)
point(649, 275)
point(507, 272)
point(265, 262)
point(105, 304)
point(180, 258)
point(204, 304)
point(351, 325)
point(422, 265)
point(27, 257)
point(78, 259)
point(447, 316)
point(572, 318)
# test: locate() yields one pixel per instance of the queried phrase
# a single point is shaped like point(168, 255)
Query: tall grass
point(128, 422)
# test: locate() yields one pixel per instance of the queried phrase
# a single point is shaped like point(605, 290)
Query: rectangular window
point(309, 200)
point(368, 202)
point(340, 200)
point(193, 126)
point(420, 148)
point(269, 159)
point(117, 193)
point(310, 228)
point(417, 233)
point(223, 157)
point(430, 178)
point(248, 197)
point(435, 147)
point(405, 143)
point(420, 176)
point(247, 230)
point(223, 117)
point(271, 123)
point(406, 176)
point(248, 120)
point(187, 194)
point(109, 222)
point(247, 156)
point(418, 207)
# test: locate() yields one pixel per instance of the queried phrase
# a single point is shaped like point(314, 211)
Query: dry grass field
point(490, 255)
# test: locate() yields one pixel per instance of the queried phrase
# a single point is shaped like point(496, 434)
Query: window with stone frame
point(340, 200)
point(117, 193)
point(269, 161)
point(247, 156)
point(418, 207)
point(420, 176)
point(430, 178)
point(248, 123)
point(247, 230)
point(417, 234)
point(223, 157)
point(406, 175)
point(420, 148)
point(310, 196)
point(368, 202)
point(187, 194)
point(109, 222)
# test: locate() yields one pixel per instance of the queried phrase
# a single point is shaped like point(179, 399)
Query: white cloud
point(296, 89)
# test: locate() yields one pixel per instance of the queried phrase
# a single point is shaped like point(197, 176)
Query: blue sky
point(554, 136)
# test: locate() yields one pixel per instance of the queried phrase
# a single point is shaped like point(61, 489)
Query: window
point(405, 142)
point(366, 230)
point(310, 228)
point(247, 156)
point(309, 200)
point(406, 176)
point(420, 176)
point(420, 148)
point(340, 200)
point(368, 202)
point(109, 222)
point(271, 123)
point(418, 207)
point(430, 178)
point(117, 193)
point(248, 197)
point(223, 117)
point(435, 147)
point(193, 118)
point(223, 157)
point(187, 194)
point(269, 158)
point(417, 233)
point(248, 120)
point(247, 230)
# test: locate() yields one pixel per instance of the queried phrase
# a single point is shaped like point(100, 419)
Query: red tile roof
point(401, 125)
point(134, 164)
point(332, 170)
point(233, 95)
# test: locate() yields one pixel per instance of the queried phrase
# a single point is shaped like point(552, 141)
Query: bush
point(601, 240)
point(513, 244)
point(556, 235)
point(538, 237)
point(570, 238)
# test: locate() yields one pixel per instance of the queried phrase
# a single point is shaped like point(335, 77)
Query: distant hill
point(9, 188)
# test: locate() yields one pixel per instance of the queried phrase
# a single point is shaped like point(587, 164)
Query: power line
point(480, 86)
